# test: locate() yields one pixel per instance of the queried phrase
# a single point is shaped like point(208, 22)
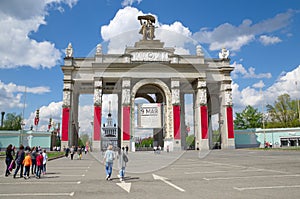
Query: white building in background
point(110, 132)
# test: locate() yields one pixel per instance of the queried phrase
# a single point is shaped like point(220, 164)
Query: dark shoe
point(14, 176)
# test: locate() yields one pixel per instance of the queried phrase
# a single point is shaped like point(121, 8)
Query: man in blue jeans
point(109, 158)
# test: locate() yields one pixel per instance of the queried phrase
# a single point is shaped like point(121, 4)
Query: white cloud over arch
point(18, 19)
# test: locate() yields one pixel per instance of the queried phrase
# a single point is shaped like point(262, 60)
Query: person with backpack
point(19, 160)
point(108, 159)
point(123, 159)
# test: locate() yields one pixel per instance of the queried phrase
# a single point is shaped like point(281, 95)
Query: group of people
point(26, 158)
point(75, 151)
point(109, 158)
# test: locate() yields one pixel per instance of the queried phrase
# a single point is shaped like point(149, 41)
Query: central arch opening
point(149, 128)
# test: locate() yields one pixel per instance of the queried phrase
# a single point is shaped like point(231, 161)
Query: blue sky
point(262, 36)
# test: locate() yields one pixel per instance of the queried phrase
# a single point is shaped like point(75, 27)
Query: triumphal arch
point(152, 71)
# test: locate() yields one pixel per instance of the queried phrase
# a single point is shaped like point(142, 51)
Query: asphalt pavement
point(193, 174)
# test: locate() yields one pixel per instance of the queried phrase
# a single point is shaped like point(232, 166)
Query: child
point(39, 164)
point(27, 162)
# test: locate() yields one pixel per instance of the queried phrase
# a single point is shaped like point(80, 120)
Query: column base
point(229, 145)
point(96, 145)
point(64, 144)
point(204, 144)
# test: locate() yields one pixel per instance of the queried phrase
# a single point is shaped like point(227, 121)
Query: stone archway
point(164, 98)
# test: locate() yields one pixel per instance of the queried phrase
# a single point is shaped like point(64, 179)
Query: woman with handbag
point(8, 158)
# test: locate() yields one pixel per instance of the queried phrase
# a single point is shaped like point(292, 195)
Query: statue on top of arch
point(147, 27)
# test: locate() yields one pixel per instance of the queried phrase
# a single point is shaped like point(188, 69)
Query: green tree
point(12, 122)
point(83, 139)
point(284, 113)
point(248, 118)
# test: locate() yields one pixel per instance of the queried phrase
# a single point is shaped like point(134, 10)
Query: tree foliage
point(284, 113)
point(248, 118)
point(12, 122)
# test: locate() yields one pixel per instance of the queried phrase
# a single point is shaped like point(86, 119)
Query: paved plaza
point(208, 174)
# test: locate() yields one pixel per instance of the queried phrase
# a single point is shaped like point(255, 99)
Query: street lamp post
point(263, 117)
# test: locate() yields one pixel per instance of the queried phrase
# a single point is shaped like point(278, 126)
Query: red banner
point(204, 122)
point(97, 123)
point(176, 122)
point(65, 124)
point(36, 121)
point(230, 122)
point(126, 123)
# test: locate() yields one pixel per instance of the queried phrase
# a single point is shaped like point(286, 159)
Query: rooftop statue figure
point(147, 27)
point(69, 51)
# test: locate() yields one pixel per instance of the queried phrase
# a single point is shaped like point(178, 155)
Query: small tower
point(110, 134)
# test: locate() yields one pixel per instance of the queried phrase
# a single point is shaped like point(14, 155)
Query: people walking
point(8, 158)
point(109, 158)
point(27, 163)
point(67, 152)
point(19, 161)
point(33, 159)
point(39, 164)
point(123, 159)
point(72, 152)
point(45, 159)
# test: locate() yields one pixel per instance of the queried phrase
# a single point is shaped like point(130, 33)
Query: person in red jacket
point(39, 164)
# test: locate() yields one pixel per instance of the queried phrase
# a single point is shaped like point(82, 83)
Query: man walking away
point(109, 158)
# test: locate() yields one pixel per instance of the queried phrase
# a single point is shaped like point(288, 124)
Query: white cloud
point(123, 30)
point(259, 85)
point(11, 94)
point(130, 2)
point(267, 40)
point(258, 98)
point(52, 110)
point(239, 69)
point(18, 19)
point(235, 37)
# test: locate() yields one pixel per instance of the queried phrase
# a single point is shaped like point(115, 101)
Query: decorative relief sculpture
point(66, 98)
point(98, 84)
point(201, 83)
point(224, 54)
point(125, 96)
point(228, 95)
point(69, 51)
point(202, 96)
point(149, 56)
point(174, 84)
point(97, 93)
point(126, 83)
point(175, 96)
point(98, 97)
point(147, 27)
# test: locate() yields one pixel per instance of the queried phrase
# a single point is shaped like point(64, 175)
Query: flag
point(37, 117)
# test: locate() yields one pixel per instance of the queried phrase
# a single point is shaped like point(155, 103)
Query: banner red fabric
point(36, 121)
point(126, 123)
point(230, 123)
point(204, 122)
point(97, 123)
point(176, 121)
point(65, 124)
